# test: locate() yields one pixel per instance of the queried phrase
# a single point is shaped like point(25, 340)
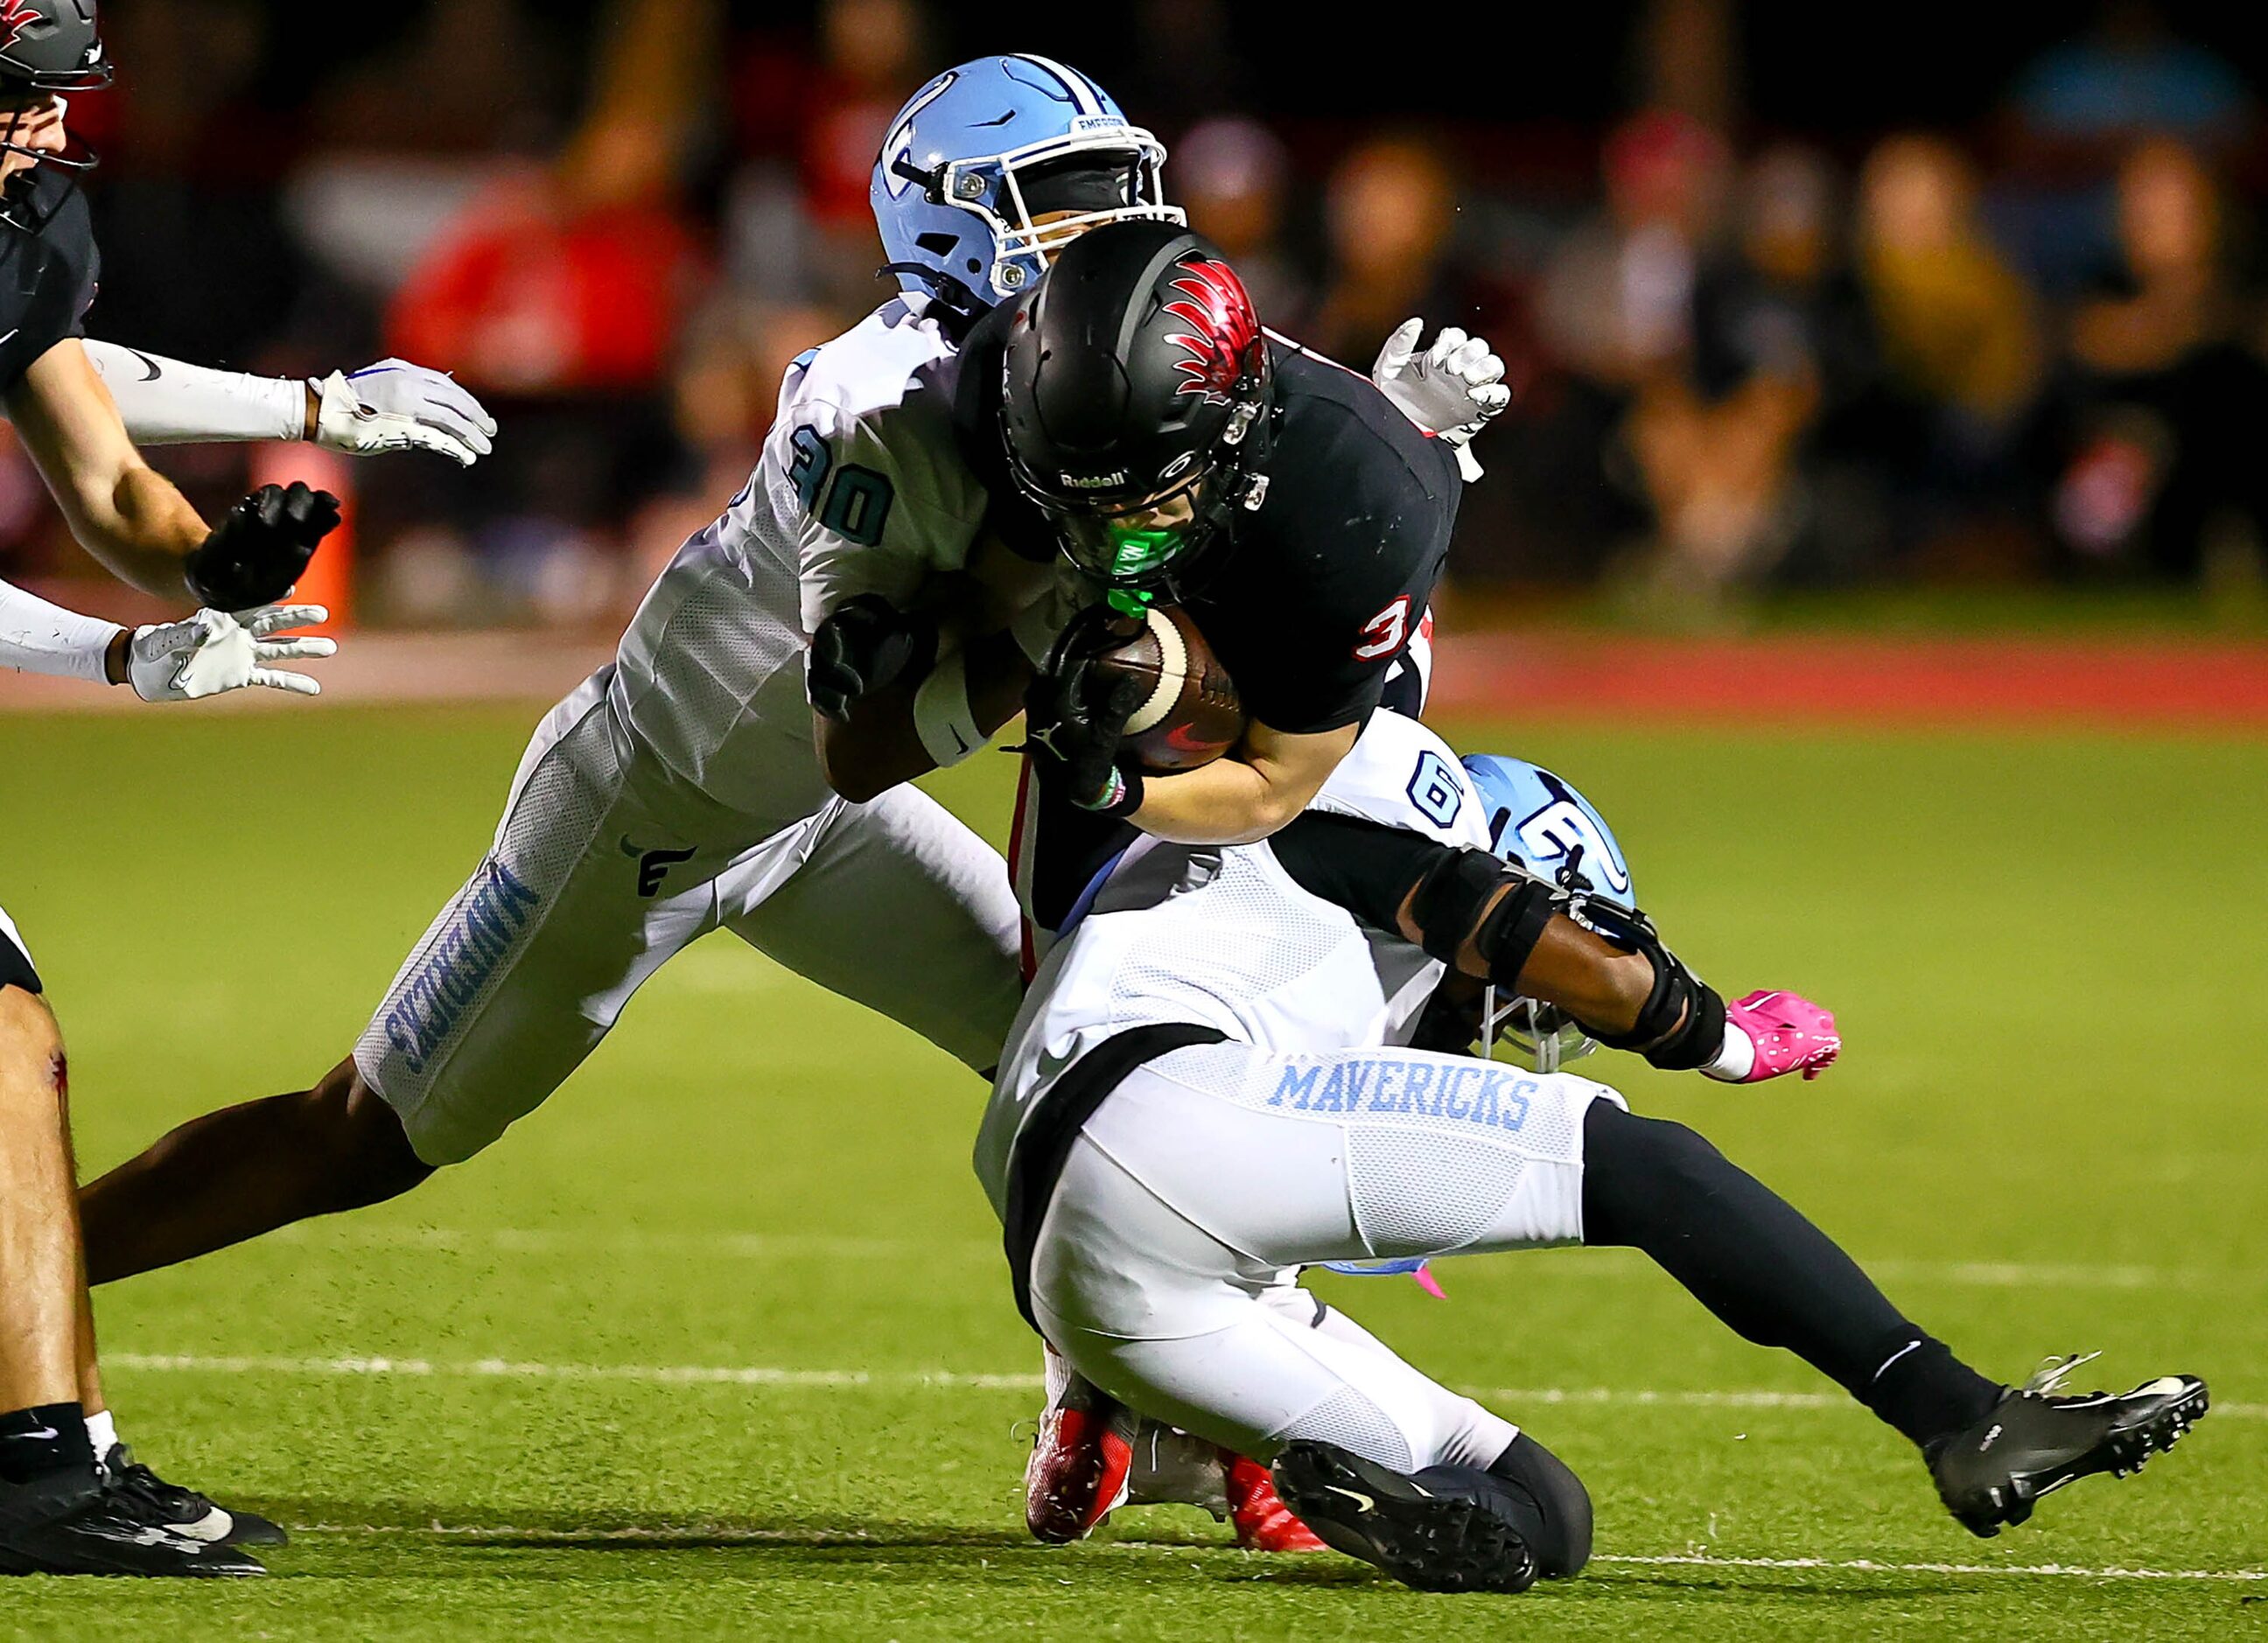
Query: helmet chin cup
point(1538, 1036)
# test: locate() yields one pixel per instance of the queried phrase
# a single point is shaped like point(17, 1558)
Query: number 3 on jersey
point(1383, 634)
point(851, 501)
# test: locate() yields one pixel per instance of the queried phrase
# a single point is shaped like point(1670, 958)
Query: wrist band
point(1736, 1060)
point(943, 719)
point(1124, 797)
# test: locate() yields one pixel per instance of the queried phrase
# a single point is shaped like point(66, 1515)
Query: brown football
point(1191, 714)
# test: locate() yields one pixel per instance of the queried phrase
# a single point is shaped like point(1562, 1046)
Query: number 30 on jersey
point(851, 501)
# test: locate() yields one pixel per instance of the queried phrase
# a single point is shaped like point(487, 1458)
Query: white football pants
point(1164, 1269)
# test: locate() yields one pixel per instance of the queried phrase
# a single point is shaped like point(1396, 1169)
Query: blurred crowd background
point(1792, 296)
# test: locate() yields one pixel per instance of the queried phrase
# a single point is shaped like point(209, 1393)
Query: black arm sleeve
point(1371, 869)
point(1360, 865)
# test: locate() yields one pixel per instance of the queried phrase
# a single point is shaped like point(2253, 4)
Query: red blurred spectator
point(566, 280)
point(826, 111)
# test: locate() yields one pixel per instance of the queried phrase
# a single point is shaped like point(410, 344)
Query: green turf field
point(719, 1343)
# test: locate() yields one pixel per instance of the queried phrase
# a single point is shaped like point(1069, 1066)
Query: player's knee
point(366, 1153)
point(1638, 1170)
point(32, 1077)
point(1563, 1506)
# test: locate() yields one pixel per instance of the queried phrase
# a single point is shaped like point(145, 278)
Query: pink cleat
point(1790, 1034)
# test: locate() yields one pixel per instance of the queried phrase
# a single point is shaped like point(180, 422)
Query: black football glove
point(867, 645)
point(261, 547)
point(1075, 716)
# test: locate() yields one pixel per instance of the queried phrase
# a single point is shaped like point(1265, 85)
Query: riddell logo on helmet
point(1094, 482)
point(1218, 311)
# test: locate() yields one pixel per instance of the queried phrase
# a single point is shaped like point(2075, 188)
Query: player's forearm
point(1597, 983)
point(37, 636)
point(911, 728)
point(121, 510)
point(1225, 802)
point(164, 402)
point(1253, 794)
point(142, 531)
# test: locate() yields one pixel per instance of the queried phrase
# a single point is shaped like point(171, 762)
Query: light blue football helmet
point(1539, 823)
point(949, 187)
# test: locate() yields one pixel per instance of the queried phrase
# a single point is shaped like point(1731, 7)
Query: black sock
point(43, 1441)
point(1923, 1390)
point(1748, 1255)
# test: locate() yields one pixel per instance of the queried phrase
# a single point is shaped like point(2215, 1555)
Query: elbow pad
point(1451, 907)
point(1682, 1025)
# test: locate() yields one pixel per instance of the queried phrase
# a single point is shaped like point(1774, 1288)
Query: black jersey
point(1318, 591)
point(1310, 603)
point(47, 276)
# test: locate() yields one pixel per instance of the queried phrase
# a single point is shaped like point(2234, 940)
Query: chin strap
point(961, 304)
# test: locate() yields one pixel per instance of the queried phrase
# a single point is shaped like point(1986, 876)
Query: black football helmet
point(47, 48)
point(1136, 401)
point(50, 46)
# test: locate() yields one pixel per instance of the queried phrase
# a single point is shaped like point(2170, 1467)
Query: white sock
point(102, 1432)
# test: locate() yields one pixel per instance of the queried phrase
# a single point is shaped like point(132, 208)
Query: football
point(1191, 714)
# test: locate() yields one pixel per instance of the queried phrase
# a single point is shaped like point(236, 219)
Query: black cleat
point(1440, 1535)
point(71, 1526)
point(2034, 1441)
point(141, 1494)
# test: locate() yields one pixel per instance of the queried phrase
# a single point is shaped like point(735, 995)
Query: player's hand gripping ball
point(1188, 713)
point(1122, 695)
point(260, 547)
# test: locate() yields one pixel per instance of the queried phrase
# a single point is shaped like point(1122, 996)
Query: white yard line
point(768, 1374)
point(727, 1535)
point(1868, 1566)
point(823, 1246)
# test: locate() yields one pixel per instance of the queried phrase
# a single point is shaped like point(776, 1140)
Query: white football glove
point(1451, 389)
point(213, 652)
point(396, 406)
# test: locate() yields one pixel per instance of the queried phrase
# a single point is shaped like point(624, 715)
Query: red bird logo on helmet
point(16, 16)
point(1223, 328)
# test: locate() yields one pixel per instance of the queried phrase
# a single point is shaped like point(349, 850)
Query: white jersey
point(861, 489)
point(1223, 937)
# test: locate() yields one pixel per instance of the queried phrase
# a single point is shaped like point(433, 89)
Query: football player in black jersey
point(73, 1498)
point(1130, 415)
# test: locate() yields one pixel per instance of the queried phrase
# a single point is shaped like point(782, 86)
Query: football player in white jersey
point(1207, 1090)
point(681, 789)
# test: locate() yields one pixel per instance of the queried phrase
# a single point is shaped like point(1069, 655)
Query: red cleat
point(1077, 1475)
point(1263, 1522)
